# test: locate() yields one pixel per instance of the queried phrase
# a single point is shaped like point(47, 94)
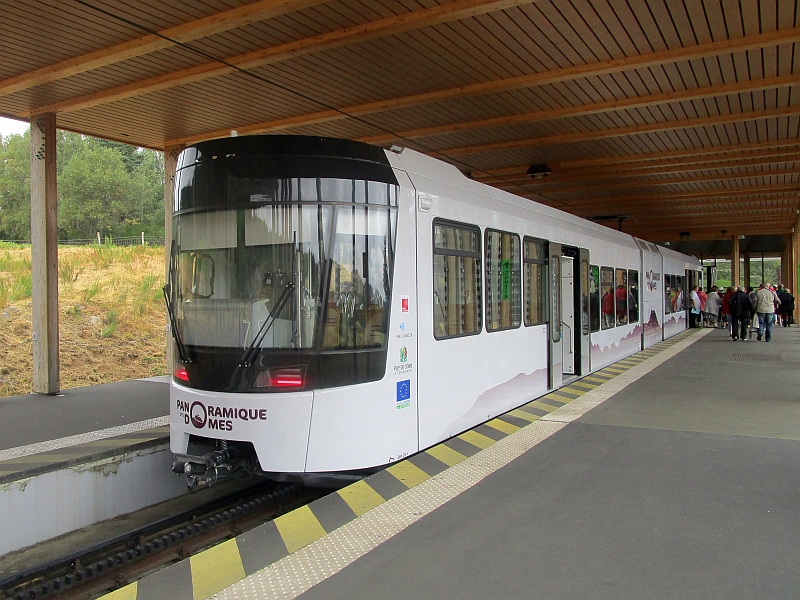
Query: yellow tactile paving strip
point(44, 462)
point(215, 569)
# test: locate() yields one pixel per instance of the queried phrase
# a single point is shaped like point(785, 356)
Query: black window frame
point(486, 233)
point(463, 254)
point(545, 297)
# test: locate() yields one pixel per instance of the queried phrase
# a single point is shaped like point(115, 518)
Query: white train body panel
point(371, 423)
point(434, 389)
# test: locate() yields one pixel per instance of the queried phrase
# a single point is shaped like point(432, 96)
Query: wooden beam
point(186, 32)
point(661, 182)
point(451, 11)
point(752, 42)
point(670, 157)
point(44, 255)
point(568, 138)
point(712, 91)
point(759, 159)
point(712, 214)
point(711, 234)
point(744, 191)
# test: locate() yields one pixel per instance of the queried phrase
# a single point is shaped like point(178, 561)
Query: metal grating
point(756, 357)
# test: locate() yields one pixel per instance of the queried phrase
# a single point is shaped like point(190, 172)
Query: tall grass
point(92, 291)
point(21, 287)
point(147, 293)
point(3, 293)
point(111, 324)
point(69, 269)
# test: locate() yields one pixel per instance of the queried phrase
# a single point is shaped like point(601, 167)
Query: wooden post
point(171, 154)
point(44, 254)
point(746, 274)
point(735, 279)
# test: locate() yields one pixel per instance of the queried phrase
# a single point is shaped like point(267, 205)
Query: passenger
point(711, 309)
point(677, 301)
point(766, 301)
point(694, 308)
point(725, 311)
point(786, 307)
point(622, 305)
point(741, 313)
point(608, 310)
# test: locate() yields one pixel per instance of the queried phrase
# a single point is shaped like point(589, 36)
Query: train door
point(556, 358)
point(583, 294)
point(568, 315)
point(692, 279)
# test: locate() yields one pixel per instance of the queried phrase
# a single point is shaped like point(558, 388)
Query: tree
point(95, 190)
point(15, 187)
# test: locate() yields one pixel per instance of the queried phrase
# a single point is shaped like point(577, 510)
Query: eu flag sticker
point(403, 394)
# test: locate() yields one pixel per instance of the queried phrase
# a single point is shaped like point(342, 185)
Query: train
point(336, 307)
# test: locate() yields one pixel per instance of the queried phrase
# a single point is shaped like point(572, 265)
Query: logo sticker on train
point(404, 304)
point(221, 418)
point(652, 280)
point(403, 394)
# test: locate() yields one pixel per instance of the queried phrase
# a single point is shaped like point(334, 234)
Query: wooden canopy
point(676, 118)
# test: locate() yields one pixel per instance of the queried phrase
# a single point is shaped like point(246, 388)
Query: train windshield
point(299, 276)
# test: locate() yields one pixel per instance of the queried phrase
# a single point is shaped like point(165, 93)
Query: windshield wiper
point(255, 346)
point(173, 321)
point(173, 325)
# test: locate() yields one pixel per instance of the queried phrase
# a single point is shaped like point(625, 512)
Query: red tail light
point(281, 377)
point(180, 373)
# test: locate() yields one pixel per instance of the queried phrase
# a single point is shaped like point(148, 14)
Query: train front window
point(281, 270)
point(359, 287)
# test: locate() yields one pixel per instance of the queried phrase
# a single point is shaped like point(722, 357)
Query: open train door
point(556, 360)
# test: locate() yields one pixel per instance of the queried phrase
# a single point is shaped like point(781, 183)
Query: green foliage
point(92, 291)
point(69, 269)
point(103, 186)
point(111, 324)
point(3, 293)
point(21, 287)
point(148, 293)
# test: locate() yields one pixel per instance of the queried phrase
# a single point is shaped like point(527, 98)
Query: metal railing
point(142, 240)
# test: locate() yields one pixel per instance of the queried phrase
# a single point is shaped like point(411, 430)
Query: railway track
point(123, 559)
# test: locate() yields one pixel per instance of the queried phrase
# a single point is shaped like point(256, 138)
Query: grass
point(111, 315)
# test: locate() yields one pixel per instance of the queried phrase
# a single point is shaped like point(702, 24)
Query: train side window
point(535, 258)
point(584, 286)
point(633, 296)
point(456, 280)
point(679, 293)
point(594, 297)
point(502, 280)
point(607, 293)
point(668, 293)
point(621, 293)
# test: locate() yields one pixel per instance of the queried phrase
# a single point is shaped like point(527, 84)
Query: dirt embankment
point(111, 315)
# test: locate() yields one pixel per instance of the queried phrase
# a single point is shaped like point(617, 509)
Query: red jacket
point(726, 310)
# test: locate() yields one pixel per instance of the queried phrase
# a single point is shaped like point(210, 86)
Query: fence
point(142, 240)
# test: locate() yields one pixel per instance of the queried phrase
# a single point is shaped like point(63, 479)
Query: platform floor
point(41, 433)
point(685, 484)
point(675, 475)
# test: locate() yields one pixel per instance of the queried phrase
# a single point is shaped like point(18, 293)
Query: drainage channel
point(120, 560)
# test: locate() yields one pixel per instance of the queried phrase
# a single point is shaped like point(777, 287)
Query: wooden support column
point(785, 260)
point(171, 154)
point(746, 270)
point(44, 254)
point(735, 279)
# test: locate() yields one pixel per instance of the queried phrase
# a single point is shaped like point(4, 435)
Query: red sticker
point(404, 304)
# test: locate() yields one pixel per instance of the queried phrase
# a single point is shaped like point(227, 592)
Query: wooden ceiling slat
point(453, 11)
point(588, 109)
point(565, 74)
point(186, 32)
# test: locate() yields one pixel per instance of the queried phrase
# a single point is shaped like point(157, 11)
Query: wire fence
point(142, 240)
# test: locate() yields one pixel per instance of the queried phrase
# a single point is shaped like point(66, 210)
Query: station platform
point(674, 473)
point(84, 456)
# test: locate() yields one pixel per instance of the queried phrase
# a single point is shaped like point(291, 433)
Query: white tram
point(337, 307)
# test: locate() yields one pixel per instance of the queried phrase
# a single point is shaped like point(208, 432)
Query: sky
point(10, 126)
